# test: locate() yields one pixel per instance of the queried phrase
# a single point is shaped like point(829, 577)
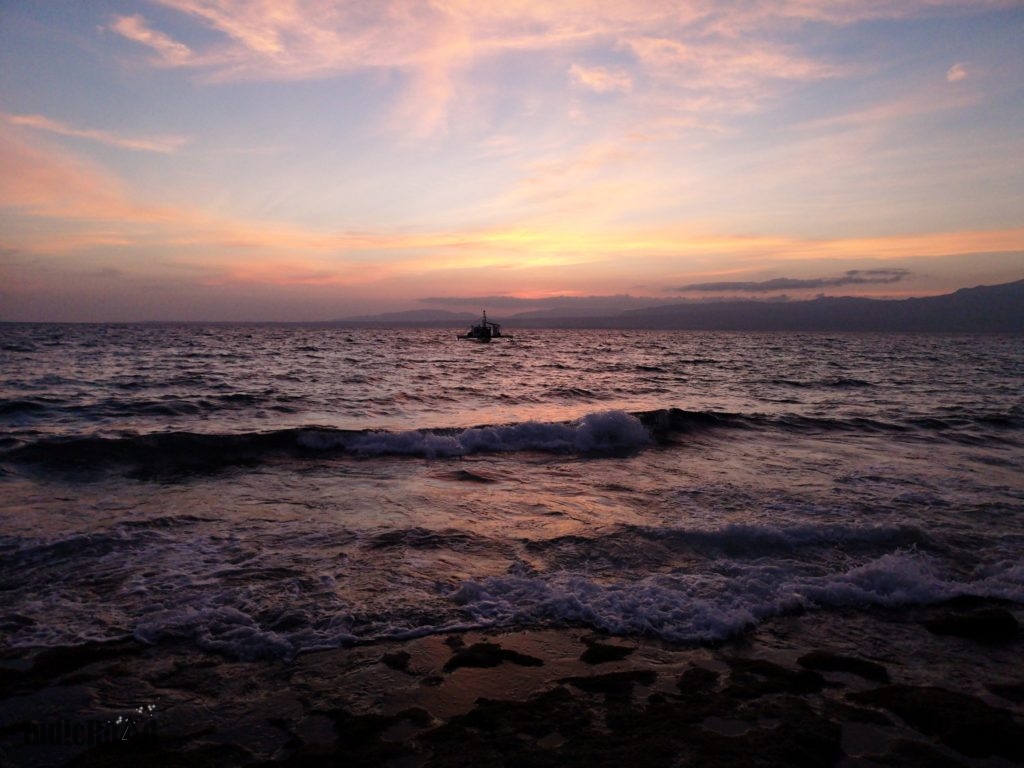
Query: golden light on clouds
point(545, 148)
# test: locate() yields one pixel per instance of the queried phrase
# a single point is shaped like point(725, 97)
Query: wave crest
point(613, 432)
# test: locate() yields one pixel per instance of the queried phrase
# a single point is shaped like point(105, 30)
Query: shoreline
point(934, 685)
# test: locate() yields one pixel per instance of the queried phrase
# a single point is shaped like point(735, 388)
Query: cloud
point(41, 181)
point(851, 277)
point(600, 79)
point(169, 51)
point(691, 52)
point(956, 73)
point(724, 63)
point(600, 175)
point(60, 205)
point(163, 144)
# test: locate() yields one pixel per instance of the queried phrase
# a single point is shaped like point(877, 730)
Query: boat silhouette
point(484, 331)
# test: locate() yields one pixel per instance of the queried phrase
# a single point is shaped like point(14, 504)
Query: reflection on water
point(804, 472)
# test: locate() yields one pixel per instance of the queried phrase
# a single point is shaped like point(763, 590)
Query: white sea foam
point(609, 431)
point(673, 608)
point(705, 604)
point(206, 525)
point(223, 629)
point(715, 606)
point(897, 578)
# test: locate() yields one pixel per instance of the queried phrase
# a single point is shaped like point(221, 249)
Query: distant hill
point(984, 309)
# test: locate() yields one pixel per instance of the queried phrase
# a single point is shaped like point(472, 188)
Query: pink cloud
point(46, 182)
point(600, 79)
point(691, 51)
point(169, 51)
point(956, 73)
point(163, 144)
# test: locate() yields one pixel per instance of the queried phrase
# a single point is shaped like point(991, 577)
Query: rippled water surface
point(264, 490)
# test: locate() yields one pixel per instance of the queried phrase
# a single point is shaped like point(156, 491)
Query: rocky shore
point(937, 686)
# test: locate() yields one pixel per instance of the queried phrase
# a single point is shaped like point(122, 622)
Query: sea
point(263, 491)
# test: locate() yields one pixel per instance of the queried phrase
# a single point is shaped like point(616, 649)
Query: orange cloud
point(46, 182)
point(294, 272)
point(86, 208)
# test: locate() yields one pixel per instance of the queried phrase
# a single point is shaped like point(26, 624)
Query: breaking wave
point(704, 607)
point(604, 433)
point(713, 606)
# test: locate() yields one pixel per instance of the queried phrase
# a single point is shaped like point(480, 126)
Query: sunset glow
point(308, 160)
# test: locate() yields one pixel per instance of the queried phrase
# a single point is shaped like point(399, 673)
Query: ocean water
point(262, 491)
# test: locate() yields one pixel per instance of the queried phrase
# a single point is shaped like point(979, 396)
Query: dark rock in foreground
point(822, 661)
point(962, 722)
point(985, 625)
point(533, 698)
point(600, 653)
point(489, 655)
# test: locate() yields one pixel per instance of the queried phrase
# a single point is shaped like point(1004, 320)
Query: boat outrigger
point(484, 331)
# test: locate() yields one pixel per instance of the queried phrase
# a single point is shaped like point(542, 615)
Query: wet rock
point(128, 755)
point(600, 653)
point(489, 655)
point(802, 739)
point(359, 740)
point(847, 713)
point(752, 678)
point(53, 663)
point(823, 661)
point(674, 733)
point(398, 661)
point(202, 676)
point(904, 753)
point(985, 625)
point(961, 722)
point(511, 732)
point(697, 680)
point(416, 715)
point(1010, 691)
point(615, 684)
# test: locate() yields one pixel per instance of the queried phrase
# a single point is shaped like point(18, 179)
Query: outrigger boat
point(484, 331)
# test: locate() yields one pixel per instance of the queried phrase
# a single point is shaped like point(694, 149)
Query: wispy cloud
point(81, 208)
point(850, 277)
point(169, 52)
point(725, 63)
point(162, 144)
point(956, 73)
point(601, 175)
point(42, 181)
point(600, 79)
point(703, 46)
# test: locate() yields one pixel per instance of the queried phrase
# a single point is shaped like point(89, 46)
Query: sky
point(307, 160)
